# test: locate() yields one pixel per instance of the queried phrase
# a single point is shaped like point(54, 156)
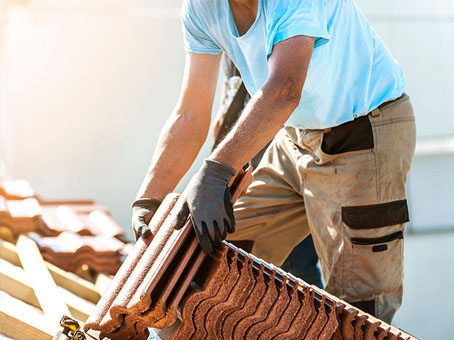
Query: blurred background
point(86, 86)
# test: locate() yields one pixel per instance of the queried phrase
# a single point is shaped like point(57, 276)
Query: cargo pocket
point(353, 136)
point(376, 244)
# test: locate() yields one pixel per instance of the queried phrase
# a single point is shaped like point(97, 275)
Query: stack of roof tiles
point(227, 295)
point(70, 251)
point(69, 233)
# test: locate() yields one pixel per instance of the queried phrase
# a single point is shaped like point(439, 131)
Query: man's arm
point(206, 198)
point(271, 106)
point(181, 139)
point(186, 129)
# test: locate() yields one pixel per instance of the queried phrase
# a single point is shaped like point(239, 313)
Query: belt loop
point(375, 112)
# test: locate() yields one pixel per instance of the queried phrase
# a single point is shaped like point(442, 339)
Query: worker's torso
point(351, 71)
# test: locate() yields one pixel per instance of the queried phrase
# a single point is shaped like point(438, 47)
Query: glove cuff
point(146, 203)
point(219, 169)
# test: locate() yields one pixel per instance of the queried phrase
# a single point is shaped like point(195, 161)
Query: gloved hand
point(207, 199)
point(142, 211)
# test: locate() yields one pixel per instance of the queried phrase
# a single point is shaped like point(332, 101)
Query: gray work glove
point(142, 211)
point(207, 199)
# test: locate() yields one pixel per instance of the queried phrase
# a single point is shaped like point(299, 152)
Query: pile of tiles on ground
point(153, 280)
point(80, 217)
point(70, 251)
point(22, 211)
point(70, 233)
point(20, 216)
point(227, 295)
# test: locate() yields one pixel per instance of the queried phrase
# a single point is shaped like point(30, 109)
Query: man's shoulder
point(200, 8)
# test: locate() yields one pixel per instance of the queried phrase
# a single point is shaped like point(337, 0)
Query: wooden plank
point(21, 321)
point(75, 284)
point(15, 282)
point(79, 308)
point(102, 282)
point(43, 284)
point(8, 252)
point(70, 281)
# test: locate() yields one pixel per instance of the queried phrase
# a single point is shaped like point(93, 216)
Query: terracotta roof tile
point(370, 330)
point(70, 251)
point(319, 321)
point(331, 325)
point(204, 307)
point(274, 314)
point(100, 319)
point(233, 295)
point(359, 323)
point(216, 271)
point(248, 308)
point(303, 319)
point(80, 217)
point(16, 189)
point(262, 310)
point(287, 316)
point(236, 299)
point(21, 216)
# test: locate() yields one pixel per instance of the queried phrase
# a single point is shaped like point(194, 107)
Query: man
point(303, 260)
point(338, 167)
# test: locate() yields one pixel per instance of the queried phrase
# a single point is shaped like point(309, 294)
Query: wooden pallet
point(34, 294)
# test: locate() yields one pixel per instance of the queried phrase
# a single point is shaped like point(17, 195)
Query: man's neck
point(244, 13)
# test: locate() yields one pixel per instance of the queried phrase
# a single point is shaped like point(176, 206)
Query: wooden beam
point(49, 297)
point(102, 282)
point(15, 282)
point(75, 284)
point(70, 281)
point(21, 321)
point(8, 252)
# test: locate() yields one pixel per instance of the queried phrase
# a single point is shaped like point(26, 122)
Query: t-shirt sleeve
point(290, 18)
point(195, 36)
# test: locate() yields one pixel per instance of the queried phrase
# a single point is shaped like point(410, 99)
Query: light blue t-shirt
point(351, 71)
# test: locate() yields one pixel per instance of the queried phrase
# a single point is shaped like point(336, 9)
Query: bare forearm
point(178, 145)
point(262, 118)
point(271, 106)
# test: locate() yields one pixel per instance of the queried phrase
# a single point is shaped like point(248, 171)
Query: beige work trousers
point(348, 193)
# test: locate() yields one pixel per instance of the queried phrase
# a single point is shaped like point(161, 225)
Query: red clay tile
point(20, 216)
point(159, 308)
point(358, 324)
point(332, 324)
point(319, 322)
point(347, 317)
point(135, 297)
point(285, 320)
point(303, 319)
point(80, 217)
point(234, 296)
point(204, 307)
point(274, 313)
point(370, 330)
point(102, 308)
point(171, 313)
point(15, 189)
point(249, 307)
point(236, 299)
point(216, 271)
point(263, 308)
